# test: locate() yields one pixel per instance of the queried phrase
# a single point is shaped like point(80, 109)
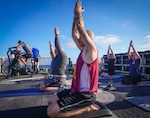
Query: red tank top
point(92, 69)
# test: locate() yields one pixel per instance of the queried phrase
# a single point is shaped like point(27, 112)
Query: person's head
point(133, 55)
point(110, 56)
point(90, 34)
point(56, 52)
point(19, 42)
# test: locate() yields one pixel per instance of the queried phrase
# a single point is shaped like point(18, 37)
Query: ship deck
point(26, 106)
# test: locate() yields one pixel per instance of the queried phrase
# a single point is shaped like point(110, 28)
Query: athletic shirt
point(26, 48)
point(85, 77)
point(35, 53)
point(60, 61)
point(134, 67)
point(111, 67)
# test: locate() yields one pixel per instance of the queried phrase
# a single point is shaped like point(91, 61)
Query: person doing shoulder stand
point(82, 95)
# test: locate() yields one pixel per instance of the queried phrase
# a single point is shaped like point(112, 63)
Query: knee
point(49, 112)
point(46, 77)
point(53, 99)
point(42, 87)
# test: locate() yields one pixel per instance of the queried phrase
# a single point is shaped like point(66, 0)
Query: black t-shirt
point(111, 67)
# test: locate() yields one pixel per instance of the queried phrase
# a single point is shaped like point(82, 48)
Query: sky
point(114, 22)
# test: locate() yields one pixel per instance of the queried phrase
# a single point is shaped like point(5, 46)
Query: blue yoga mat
point(113, 77)
point(24, 92)
point(140, 101)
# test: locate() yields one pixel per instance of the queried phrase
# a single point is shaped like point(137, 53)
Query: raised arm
point(77, 16)
point(129, 50)
point(112, 52)
point(57, 43)
point(108, 53)
point(135, 52)
point(75, 35)
point(52, 52)
point(17, 47)
point(85, 35)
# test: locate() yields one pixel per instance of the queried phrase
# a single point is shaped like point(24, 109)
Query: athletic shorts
point(27, 55)
point(131, 80)
point(36, 59)
point(72, 101)
point(55, 82)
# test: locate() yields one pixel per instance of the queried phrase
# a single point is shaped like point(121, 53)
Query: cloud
point(129, 25)
point(105, 40)
point(147, 45)
point(70, 44)
point(125, 25)
point(99, 40)
point(63, 37)
point(147, 37)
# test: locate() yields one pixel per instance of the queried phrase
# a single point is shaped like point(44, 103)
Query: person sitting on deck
point(82, 95)
point(111, 62)
point(57, 79)
point(52, 53)
point(134, 67)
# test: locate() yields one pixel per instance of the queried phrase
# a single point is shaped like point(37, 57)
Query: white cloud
point(125, 25)
point(105, 40)
point(147, 37)
point(147, 45)
point(70, 44)
point(63, 37)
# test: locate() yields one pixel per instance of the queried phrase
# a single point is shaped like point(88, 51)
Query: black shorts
point(36, 59)
point(55, 82)
point(27, 55)
point(131, 80)
point(72, 101)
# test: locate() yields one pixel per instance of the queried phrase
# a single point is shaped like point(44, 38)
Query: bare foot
point(93, 107)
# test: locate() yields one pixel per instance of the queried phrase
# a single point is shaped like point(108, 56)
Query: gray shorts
point(72, 101)
point(55, 82)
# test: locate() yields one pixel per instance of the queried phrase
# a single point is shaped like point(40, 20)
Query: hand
point(109, 46)
point(9, 48)
point(56, 31)
point(78, 8)
point(131, 43)
point(50, 43)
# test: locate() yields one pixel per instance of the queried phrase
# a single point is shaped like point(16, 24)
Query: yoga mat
point(24, 92)
point(30, 112)
point(103, 112)
point(112, 77)
point(41, 112)
point(140, 101)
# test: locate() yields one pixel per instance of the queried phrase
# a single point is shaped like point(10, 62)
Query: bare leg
point(77, 112)
point(53, 99)
point(23, 60)
point(44, 88)
point(46, 76)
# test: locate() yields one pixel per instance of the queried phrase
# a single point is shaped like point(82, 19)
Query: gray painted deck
point(23, 106)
